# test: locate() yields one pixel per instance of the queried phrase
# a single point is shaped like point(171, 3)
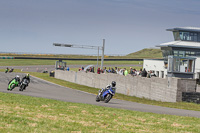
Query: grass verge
point(20, 113)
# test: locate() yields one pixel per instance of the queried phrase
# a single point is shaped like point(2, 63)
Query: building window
point(181, 54)
point(176, 64)
point(188, 36)
point(187, 53)
point(180, 64)
point(175, 53)
point(197, 53)
point(176, 36)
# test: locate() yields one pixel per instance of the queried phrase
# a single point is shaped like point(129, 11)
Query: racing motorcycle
point(105, 95)
point(12, 84)
point(23, 84)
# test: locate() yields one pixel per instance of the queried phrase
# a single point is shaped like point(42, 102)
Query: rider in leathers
point(26, 77)
point(112, 85)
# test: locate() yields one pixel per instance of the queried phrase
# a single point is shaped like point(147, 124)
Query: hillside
point(146, 53)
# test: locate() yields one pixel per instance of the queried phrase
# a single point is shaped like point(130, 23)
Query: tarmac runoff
point(45, 89)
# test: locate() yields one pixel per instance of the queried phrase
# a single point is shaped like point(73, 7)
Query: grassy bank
point(29, 114)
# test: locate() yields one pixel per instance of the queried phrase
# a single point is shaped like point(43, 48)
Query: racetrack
point(41, 88)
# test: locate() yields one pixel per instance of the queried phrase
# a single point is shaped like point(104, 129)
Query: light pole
point(102, 57)
point(86, 47)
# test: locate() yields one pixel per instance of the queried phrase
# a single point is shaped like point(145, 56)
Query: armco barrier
point(159, 89)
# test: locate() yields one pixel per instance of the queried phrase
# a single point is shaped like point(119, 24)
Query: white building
point(181, 57)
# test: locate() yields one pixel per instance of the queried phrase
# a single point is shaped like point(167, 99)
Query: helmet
point(27, 75)
point(113, 83)
point(17, 77)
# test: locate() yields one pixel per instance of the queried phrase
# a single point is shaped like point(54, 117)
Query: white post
point(97, 58)
point(102, 56)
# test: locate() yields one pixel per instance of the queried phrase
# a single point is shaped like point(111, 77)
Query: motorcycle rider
point(26, 77)
point(112, 85)
point(17, 80)
point(6, 70)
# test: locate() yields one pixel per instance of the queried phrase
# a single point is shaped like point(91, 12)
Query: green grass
point(20, 113)
point(146, 53)
point(26, 62)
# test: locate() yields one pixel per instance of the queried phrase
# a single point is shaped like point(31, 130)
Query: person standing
point(125, 72)
point(144, 73)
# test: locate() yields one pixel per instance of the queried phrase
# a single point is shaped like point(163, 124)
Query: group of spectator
point(122, 71)
point(125, 72)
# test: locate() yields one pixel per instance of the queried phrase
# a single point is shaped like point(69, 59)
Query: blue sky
point(127, 26)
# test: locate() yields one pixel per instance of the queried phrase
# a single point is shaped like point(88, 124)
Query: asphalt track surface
point(45, 89)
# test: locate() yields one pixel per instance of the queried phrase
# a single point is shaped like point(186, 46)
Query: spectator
point(140, 72)
point(125, 72)
point(134, 72)
point(113, 71)
point(82, 68)
point(131, 71)
point(121, 71)
point(109, 70)
point(117, 70)
point(90, 70)
point(105, 70)
point(93, 69)
point(67, 68)
point(149, 74)
point(98, 71)
point(144, 73)
point(153, 74)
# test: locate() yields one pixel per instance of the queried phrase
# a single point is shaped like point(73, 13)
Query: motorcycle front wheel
point(12, 87)
point(97, 98)
point(22, 88)
point(108, 97)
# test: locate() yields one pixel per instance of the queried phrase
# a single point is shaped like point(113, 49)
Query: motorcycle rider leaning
point(17, 80)
point(112, 85)
point(26, 77)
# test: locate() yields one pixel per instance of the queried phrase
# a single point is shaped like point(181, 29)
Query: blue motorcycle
point(105, 95)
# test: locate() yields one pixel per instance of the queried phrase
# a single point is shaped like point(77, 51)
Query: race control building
point(181, 57)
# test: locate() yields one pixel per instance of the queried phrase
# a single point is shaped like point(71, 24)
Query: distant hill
point(146, 53)
point(142, 54)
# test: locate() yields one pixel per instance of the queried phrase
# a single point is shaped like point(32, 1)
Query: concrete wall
point(198, 88)
point(159, 89)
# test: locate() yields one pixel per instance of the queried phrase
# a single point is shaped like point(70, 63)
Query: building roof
point(194, 29)
point(185, 44)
